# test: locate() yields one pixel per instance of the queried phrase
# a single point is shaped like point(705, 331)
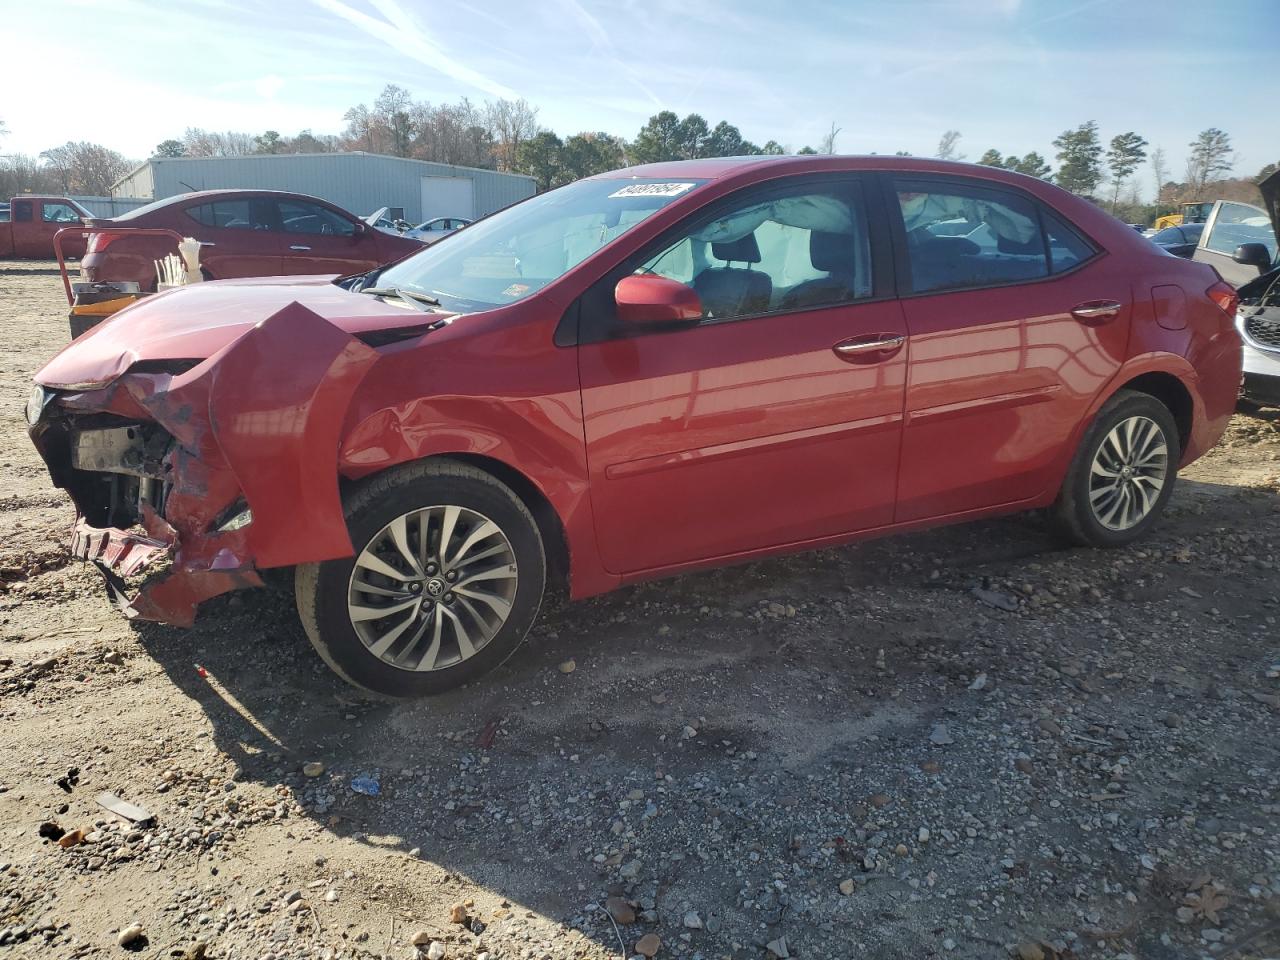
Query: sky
point(891, 74)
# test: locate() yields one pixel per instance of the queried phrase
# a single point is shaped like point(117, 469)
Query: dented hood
point(195, 322)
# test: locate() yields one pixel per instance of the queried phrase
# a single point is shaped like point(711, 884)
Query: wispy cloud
point(599, 37)
point(402, 33)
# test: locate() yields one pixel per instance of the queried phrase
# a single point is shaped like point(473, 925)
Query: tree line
point(506, 135)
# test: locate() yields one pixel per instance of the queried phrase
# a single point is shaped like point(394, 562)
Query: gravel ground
point(840, 754)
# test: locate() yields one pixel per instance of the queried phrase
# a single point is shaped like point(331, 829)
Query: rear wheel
point(447, 577)
point(1123, 473)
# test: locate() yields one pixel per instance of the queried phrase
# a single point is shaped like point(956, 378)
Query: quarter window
point(789, 252)
point(1066, 247)
point(961, 236)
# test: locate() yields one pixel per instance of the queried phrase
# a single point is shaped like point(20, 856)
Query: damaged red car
point(651, 371)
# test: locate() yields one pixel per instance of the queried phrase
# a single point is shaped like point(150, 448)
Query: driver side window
point(772, 254)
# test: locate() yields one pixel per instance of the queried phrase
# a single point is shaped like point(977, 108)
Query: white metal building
point(358, 182)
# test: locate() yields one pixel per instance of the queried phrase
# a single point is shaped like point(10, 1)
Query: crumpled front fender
point(264, 416)
point(277, 404)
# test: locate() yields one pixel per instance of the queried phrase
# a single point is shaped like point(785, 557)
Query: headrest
point(831, 252)
point(745, 250)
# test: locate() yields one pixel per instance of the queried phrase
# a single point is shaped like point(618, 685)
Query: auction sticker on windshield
point(653, 190)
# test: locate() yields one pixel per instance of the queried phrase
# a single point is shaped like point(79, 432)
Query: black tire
point(1073, 514)
point(321, 589)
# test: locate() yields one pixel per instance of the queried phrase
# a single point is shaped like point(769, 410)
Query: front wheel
point(1123, 473)
point(447, 578)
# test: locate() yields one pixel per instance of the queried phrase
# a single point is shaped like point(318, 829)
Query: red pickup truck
point(28, 223)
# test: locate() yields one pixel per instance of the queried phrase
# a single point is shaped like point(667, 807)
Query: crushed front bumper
point(171, 597)
point(161, 463)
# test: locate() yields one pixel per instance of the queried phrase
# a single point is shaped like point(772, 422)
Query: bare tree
point(393, 112)
point(510, 123)
point(361, 128)
point(829, 139)
point(83, 167)
point(1159, 170)
point(211, 143)
point(947, 146)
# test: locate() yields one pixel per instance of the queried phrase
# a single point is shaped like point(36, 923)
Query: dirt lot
point(842, 754)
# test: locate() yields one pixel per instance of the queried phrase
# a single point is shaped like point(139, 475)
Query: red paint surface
point(671, 450)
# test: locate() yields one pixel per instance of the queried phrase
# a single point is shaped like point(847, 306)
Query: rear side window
point(22, 212)
point(228, 215)
point(960, 236)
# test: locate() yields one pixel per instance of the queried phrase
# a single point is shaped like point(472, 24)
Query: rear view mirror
point(1253, 255)
point(647, 298)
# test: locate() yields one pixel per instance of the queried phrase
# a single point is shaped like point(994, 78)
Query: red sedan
point(245, 233)
point(650, 371)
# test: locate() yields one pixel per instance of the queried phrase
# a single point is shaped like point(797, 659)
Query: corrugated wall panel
point(109, 206)
point(360, 183)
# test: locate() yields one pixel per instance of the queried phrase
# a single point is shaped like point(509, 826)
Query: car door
point(27, 241)
point(1012, 331)
point(319, 240)
point(776, 418)
point(55, 215)
point(238, 236)
point(1230, 225)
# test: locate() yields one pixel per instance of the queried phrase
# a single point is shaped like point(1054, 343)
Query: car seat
point(731, 291)
point(832, 253)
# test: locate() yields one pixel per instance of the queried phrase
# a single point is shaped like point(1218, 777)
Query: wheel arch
point(1170, 391)
point(554, 538)
point(550, 525)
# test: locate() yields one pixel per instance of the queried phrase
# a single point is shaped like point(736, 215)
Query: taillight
point(99, 242)
point(1225, 296)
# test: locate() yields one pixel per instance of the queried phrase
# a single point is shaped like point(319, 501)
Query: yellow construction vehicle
point(1197, 212)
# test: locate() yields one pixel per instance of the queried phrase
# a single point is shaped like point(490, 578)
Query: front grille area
point(110, 466)
point(1264, 330)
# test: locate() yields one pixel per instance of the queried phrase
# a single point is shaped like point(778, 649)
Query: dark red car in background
point(245, 233)
point(650, 371)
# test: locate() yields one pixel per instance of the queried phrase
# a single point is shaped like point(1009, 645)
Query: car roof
point(715, 168)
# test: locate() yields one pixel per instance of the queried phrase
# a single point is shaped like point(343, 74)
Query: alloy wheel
point(1128, 473)
point(432, 587)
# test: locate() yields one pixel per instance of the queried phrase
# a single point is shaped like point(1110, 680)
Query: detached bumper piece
point(170, 597)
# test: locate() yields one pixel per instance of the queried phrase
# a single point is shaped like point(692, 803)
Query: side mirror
point(361, 227)
point(1253, 255)
point(648, 299)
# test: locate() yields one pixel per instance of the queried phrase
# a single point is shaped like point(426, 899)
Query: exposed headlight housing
point(235, 517)
point(36, 403)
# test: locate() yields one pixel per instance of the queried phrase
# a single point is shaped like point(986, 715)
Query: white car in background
point(381, 219)
point(437, 229)
point(1245, 253)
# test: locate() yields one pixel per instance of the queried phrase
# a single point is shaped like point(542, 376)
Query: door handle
point(1096, 311)
point(298, 246)
point(871, 349)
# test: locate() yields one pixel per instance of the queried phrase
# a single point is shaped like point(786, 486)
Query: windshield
point(515, 253)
